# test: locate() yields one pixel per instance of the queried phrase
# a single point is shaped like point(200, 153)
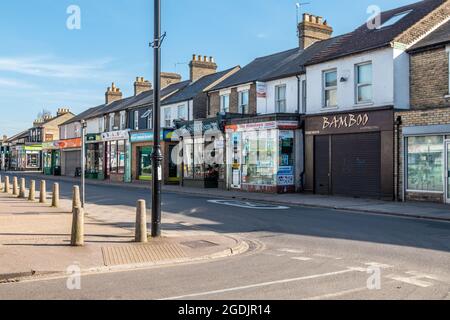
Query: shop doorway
point(447, 171)
point(145, 163)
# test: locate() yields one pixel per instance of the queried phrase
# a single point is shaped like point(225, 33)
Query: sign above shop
point(380, 120)
point(147, 136)
point(116, 135)
point(263, 126)
point(91, 138)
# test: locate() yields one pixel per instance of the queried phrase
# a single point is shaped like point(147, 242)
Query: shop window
point(425, 163)
point(330, 88)
point(259, 157)
point(113, 157)
point(364, 83)
point(121, 156)
point(243, 102)
point(94, 158)
point(225, 103)
point(32, 160)
point(188, 159)
point(280, 99)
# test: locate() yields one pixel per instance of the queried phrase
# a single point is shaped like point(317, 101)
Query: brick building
point(423, 132)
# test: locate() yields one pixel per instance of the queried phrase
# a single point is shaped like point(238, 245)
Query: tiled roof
point(195, 88)
point(364, 39)
point(440, 36)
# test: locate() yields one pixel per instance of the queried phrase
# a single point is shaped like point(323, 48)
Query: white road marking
point(379, 265)
point(248, 205)
point(302, 258)
point(290, 250)
point(337, 294)
point(263, 284)
point(327, 256)
point(415, 281)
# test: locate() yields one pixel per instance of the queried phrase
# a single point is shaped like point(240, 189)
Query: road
point(296, 253)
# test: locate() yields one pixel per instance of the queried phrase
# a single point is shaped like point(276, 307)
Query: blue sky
point(44, 65)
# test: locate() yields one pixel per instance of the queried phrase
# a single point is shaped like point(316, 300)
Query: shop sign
point(70, 143)
point(115, 135)
point(90, 138)
point(350, 122)
point(261, 89)
point(200, 127)
point(33, 148)
point(263, 126)
point(50, 145)
point(147, 136)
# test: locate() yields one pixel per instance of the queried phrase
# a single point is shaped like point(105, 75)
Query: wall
point(382, 81)
point(430, 79)
point(70, 131)
point(174, 111)
point(214, 100)
point(267, 105)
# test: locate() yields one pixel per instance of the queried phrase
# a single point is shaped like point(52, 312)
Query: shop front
point(142, 149)
point(70, 157)
point(95, 157)
point(118, 151)
point(425, 144)
point(351, 154)
point(264, 154)
point(203, 153)
point(51, 158)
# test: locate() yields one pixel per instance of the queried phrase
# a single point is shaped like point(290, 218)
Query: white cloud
point(11, 83)
point(261, 35)
point(49, 67)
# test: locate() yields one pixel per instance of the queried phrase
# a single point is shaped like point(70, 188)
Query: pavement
point(423, 210)
point(35, 241)
point(294, 252)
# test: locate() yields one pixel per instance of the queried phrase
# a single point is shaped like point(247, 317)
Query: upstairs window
point(280, 99)
point(225, 103)
point(181, 112)
point(243, 102)
point(123, 120)
point(364, 83)
point(330, 88)
point(167, 118)
point(111, 122)
point(394, 19)
point(136, 120)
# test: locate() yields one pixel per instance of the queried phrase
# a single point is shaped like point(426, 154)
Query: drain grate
point(138, 254)
point(199, 244)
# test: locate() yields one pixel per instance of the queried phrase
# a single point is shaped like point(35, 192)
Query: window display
point(425, 163)
point(94, 158)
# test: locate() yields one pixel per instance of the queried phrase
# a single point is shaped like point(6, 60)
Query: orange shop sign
point(70, 143)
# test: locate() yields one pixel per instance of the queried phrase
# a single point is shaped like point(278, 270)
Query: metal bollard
point(43, 192)
point(55, 195)
point(76, 202)
point(15, 187)
point(141, 222)
point(7, 186)
point(77, 239)
point(32, 191)
point(22, 190)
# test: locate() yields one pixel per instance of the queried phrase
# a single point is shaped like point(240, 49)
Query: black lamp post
point(157, 157)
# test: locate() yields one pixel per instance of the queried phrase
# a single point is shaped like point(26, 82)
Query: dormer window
point(394, 19)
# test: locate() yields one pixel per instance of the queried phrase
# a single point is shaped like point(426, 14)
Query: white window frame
point(111, 121)
point(167, 117)
point(182, 107)
point(222, 102)
point(136, 119)
point(325, 88)
point(123, 120)
point(358, 85)
point(241, 105)
point(278, 100)
point(101, 124)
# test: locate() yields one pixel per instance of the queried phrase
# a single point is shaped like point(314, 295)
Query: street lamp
point(83, 162)
point(157, 157)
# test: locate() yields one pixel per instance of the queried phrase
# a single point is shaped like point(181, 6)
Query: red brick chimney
point(112, 94)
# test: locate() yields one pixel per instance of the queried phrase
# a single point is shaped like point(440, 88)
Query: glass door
point(447, 170)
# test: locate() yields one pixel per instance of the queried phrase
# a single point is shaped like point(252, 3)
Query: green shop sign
point(147, 136)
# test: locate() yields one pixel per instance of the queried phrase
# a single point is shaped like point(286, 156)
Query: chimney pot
point(313, 29)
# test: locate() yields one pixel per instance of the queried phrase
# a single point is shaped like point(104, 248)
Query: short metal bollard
point(15, 187)
point(55, 195)
point(7, 186)
point(76, 200)
point(32, 191)
point(22, 189)
point(43, 192)
point(77, 239)
point(141, 222)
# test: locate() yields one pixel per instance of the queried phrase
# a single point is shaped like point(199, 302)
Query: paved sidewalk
point(424, 210)
point(35, 241)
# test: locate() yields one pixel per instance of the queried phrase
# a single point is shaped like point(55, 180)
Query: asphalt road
point(296, 253)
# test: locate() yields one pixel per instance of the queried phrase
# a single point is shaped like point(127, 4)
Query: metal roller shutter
point(72, 162)
point(322, 164)
point(356, 165)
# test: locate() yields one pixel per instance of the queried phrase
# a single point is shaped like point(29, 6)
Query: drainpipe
point(398, 123)
point(302, 174)
point(298, 93)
